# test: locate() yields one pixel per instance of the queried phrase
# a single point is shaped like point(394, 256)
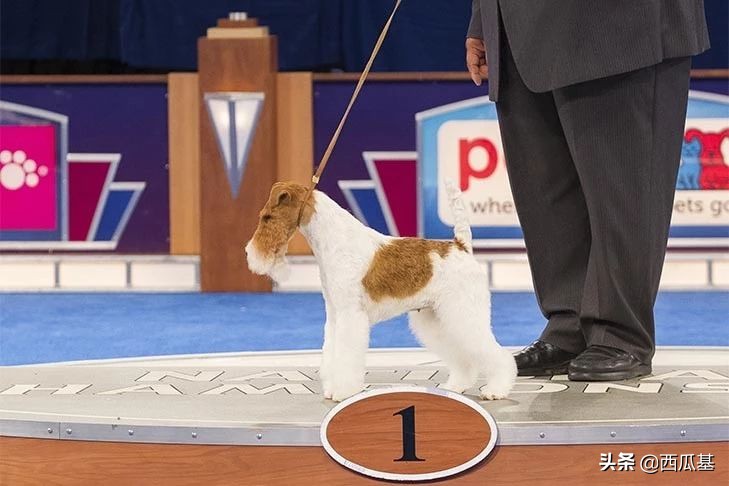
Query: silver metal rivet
point(194, 435)
point(613, 434)
point(542, 435)
point(50, 430)
point(131, 432)
point(683, 433)
point(69, 431)
point(259, 436)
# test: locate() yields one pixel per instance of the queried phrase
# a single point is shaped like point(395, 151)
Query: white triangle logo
point(234, 117)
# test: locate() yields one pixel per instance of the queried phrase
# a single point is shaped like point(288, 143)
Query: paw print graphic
point(16, 170)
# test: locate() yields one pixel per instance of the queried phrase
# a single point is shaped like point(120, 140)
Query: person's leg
point(624, 134)
point(549, 202)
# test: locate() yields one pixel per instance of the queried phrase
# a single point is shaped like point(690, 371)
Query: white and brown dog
point(368, 277)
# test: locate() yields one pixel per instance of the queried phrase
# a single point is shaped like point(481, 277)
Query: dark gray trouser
point(593, 170)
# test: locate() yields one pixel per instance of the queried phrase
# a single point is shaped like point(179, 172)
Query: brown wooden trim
point(399, 76)
point(184, 163)
point(295, 137)
point(709, 73)
point(83, 79)
point(464, 76)
point(228, 23)
point(70, 462)
point(323, 77)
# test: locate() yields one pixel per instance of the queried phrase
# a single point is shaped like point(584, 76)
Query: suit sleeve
point(474, 27)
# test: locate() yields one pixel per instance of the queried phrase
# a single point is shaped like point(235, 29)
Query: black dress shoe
point(542, 359)
point(603, 363)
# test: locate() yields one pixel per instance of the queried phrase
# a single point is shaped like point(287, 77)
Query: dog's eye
point(265, 218)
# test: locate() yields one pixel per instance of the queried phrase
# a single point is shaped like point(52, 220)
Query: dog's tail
point(461, 228)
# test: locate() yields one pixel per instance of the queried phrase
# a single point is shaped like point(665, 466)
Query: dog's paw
point(493, 393)
point(343, 392)
point(326, 387)
point(457, 386)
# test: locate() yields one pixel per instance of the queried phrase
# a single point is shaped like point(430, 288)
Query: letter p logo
point(466, 169)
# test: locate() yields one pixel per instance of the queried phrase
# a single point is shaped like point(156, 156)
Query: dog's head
point(277, 223)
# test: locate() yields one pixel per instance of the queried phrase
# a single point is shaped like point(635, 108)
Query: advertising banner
point(84, 167)
point(409, 142)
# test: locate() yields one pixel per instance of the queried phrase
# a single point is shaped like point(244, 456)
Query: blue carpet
point(37, 328)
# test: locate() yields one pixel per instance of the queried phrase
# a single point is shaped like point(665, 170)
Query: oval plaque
point(408, 433)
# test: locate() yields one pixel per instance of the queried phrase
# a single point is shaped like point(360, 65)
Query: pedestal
point(240, 65)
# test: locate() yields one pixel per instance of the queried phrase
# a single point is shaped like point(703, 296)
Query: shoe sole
point(641, 370)
point(554, 370)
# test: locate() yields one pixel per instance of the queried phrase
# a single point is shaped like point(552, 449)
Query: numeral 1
point(408, 434)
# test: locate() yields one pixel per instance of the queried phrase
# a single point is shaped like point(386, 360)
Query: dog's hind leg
point(430, 331)
point(351, 340)
point(467, 335)
point(499, 368)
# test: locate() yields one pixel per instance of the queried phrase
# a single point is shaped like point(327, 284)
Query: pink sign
point(28, 189)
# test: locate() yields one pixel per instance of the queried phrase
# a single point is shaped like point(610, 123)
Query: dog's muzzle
point(257, 263)
point(277, 267)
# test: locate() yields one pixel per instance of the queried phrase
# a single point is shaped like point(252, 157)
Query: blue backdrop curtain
point(68, 29)
point(320, 35)
point(164, 32)
point(425, 35)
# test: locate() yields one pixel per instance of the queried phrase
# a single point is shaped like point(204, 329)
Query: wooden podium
point(236, 56)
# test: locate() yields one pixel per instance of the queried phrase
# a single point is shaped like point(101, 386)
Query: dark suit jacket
point(557, 43)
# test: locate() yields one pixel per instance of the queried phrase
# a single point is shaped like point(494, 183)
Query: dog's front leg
point(351, 339)
point(327, 355)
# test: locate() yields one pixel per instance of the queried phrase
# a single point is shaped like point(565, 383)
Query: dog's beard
point(275, 267)
point(280, 270)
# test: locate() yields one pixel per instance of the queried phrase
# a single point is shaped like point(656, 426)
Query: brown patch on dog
point(403, 267)
point(277, 220)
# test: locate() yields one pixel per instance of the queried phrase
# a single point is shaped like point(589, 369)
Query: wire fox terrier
point(368, 277)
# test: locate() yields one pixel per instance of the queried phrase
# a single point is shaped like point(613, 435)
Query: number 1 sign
point(408, 433)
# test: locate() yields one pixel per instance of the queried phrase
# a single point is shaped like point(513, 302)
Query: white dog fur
point(449, 313)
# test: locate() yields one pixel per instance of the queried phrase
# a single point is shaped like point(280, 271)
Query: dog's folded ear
point(283, 197)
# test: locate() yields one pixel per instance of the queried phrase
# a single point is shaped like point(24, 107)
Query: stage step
point(228, 398)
